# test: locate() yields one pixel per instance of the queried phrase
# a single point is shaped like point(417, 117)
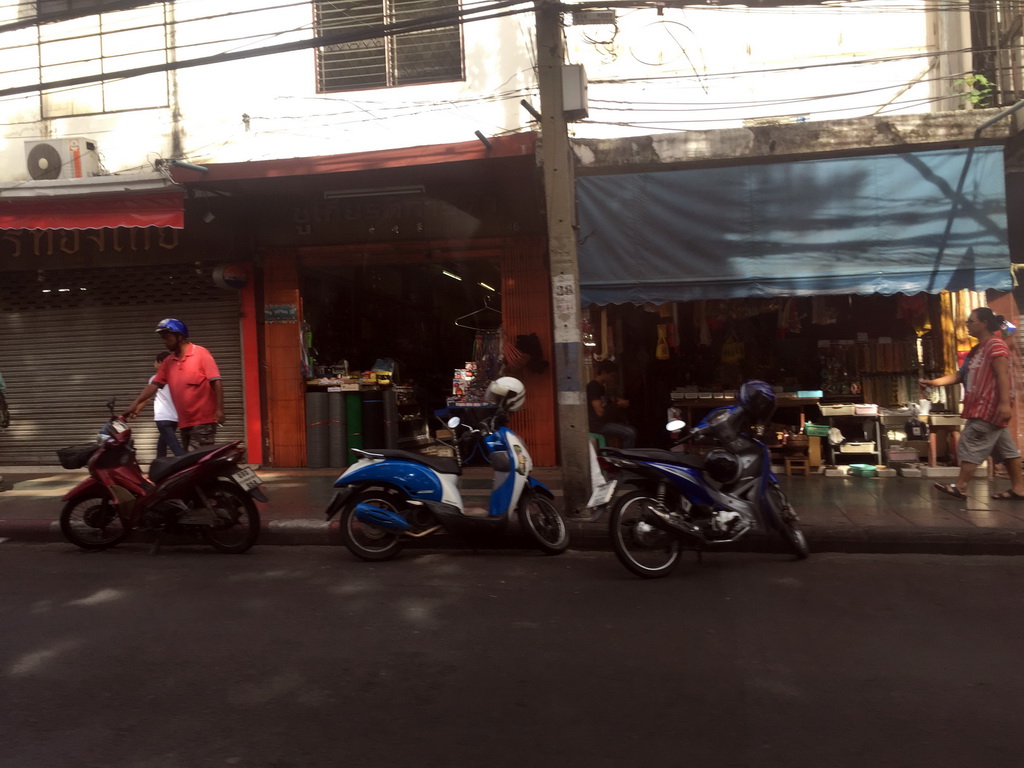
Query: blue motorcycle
point(682, 500)
point(389, 497)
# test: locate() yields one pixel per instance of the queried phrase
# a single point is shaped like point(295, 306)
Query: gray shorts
point(199, 436)
point(980, 439)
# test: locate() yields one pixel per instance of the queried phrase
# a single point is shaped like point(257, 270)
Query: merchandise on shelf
point(468, 386)
point(883, 370)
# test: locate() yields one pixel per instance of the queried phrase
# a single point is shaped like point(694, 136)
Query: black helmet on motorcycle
point(722, 466)
point(758, 399)
point(172, 325)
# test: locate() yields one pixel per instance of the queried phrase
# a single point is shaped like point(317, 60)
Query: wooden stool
point(952, 435)
point(814, 451)
point(796, 464)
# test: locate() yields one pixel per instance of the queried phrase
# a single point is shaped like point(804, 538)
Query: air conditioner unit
point(74, 158)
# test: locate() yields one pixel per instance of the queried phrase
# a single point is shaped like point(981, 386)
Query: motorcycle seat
point(660, 456)
point(442, 464)
point(168, 465)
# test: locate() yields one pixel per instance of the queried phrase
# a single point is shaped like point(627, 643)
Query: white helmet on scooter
point(506, 392)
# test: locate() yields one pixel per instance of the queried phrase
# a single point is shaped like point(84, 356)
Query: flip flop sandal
point(1008, 496)
point(950, 490)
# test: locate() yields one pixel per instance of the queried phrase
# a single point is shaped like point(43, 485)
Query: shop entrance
point(74, 338)
point(856, 349)
point(422, 318)
point(849, 362)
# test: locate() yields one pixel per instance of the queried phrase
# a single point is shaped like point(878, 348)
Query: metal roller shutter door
point(71, 339)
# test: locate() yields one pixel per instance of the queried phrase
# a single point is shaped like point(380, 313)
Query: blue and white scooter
point(389, 496)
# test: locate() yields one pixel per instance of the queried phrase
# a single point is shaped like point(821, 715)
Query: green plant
point(977, 90)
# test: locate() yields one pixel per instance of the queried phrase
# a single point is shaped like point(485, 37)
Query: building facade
point(337, 161)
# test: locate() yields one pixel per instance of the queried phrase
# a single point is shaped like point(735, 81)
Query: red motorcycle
point(204, 493)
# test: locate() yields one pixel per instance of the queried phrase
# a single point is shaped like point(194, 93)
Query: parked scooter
point(204, 493)
point(687, 501)
point(390, 496)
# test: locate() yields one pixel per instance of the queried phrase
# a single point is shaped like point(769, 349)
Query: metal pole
point(560, 195)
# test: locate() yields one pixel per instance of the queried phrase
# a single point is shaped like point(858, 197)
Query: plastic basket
point(76, 456)
point(902, 454)
point(863, 470)
point(854, 447)
point(842, 409)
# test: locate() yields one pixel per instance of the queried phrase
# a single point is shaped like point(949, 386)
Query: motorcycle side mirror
point(110, 405)
point(675, 425)
point(453, 422)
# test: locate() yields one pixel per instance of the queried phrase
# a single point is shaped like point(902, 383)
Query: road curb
point(594, 537)
point(34, 531)
point(300, 533)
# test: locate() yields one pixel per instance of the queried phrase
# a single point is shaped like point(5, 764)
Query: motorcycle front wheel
point(787, 523)
point(543, 525)
point(646, 551)
point(92, 522)
point(369, 542)
point(238, 520)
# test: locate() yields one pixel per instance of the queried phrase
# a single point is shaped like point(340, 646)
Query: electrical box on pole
point(574, 92)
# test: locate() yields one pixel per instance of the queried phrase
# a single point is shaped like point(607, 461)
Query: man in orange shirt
point(192, 375)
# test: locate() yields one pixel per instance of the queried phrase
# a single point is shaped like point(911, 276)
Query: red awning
point(125, 209)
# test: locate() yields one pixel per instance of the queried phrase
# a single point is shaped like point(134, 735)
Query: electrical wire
point(326, 39)
point(183, 22)
point(609, 105)
point(481, 11)
point(677, 125)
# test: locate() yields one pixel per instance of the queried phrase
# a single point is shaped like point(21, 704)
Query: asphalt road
point(291, 657)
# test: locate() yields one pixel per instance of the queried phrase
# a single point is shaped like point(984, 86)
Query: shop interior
point(815, 351)
point(423, 319)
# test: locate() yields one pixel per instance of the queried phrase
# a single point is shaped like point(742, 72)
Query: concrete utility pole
point(560, 194)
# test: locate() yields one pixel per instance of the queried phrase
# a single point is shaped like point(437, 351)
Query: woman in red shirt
point(988, 406)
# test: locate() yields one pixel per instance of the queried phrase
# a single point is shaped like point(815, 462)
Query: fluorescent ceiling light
point(340, 194)
point(452, 275)
point(485, 285)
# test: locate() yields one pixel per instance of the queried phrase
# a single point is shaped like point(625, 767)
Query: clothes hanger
point(475, 312)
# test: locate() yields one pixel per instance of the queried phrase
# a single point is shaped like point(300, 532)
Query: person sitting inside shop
point(605, 413)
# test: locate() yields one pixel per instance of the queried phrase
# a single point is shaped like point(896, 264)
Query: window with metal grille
point(422, 56)
point(78, 7)
point(89, 44)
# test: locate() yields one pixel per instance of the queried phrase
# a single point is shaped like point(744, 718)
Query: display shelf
point(883, 370)
point(407, 424)
point(849, 455)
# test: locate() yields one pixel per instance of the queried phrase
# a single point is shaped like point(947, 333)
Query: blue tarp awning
point(921, 221)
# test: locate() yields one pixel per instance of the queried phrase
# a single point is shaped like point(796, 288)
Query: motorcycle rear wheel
point(369, 542)
point(646, 551)
point(787, 522)
point(239, 520)
point(92, 522)
point(543, 525)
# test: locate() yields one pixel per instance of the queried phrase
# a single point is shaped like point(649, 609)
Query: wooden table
point(689, 405)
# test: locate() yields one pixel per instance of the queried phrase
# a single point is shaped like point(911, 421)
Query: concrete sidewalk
point(849, 514)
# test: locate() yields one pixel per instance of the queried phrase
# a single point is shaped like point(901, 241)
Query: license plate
point(246, 478)
point(602, 494)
